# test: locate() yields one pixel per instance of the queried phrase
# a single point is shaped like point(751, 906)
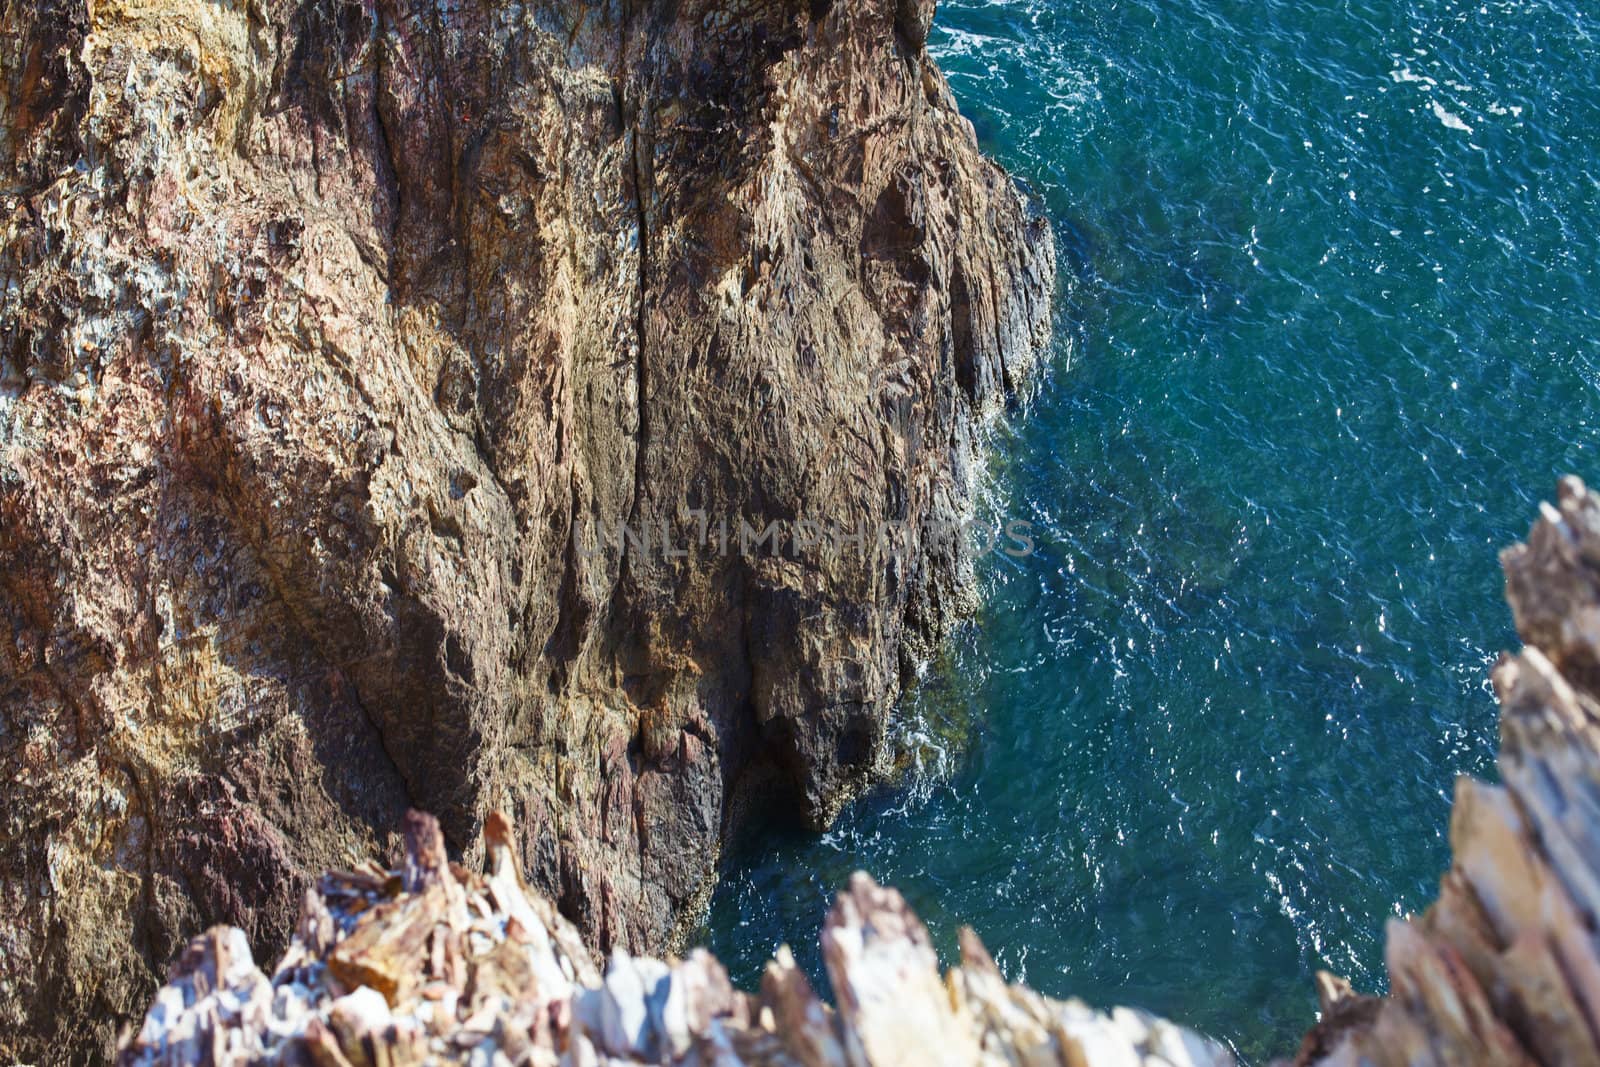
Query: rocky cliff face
point(338, 341)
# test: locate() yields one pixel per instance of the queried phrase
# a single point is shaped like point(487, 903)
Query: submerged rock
point(496, 976)
point(339, 342)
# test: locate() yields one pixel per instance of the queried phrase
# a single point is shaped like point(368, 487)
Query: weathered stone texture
point(333, 335)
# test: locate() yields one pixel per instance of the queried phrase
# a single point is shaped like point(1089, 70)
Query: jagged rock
point(1504, 968)
point(338, 342)
point(545, 1004)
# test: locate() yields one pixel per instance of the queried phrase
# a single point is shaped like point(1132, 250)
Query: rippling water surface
point(1328, 333)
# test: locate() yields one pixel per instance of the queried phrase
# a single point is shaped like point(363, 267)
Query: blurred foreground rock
point(1505, 967)
point(432, 964)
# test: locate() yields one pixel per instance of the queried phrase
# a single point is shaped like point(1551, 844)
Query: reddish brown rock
point(1502, 971)
point(337, 343)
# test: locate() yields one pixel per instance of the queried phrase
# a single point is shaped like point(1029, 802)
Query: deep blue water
point(1328, 332)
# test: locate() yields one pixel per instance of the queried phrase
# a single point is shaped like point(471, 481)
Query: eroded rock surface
point(1504, 969)
point(431, 964)
point(337, 342)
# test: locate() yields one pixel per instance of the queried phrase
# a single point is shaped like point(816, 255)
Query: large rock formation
point(339, 339)
point(432, 964)
point(1504, 969)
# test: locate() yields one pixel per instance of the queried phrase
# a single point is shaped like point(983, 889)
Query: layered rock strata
point(432, 964)
point(1504, 968)
point(338, 343)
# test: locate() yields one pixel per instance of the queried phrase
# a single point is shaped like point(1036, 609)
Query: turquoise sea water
point(1328, 332)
